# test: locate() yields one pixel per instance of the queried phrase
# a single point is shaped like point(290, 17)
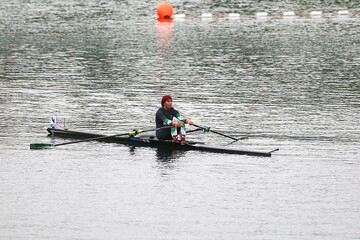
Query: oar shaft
point(110, 136)
point(133, 133)
point(92, 139)
point(219, 133)
point(224, 135)
point(195, 130)
point(274, 150)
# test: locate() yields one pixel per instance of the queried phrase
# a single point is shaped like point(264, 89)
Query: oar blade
point(41, 145)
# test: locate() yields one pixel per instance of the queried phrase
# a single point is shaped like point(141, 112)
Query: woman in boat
point(168, 116)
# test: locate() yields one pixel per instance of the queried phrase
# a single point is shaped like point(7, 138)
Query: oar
point(131, 133)
point(194, 130)
point(219, 133)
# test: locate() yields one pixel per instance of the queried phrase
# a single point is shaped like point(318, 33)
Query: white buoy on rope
point(206, 15)
point(180, 16)
point(343, 12)
point(234, 15)
point(289, 14)
point(261, 15)
point(316, 13)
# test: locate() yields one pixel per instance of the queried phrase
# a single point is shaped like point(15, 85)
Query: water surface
point(288, 83)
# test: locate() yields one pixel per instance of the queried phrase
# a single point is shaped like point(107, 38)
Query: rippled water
point(288, 83)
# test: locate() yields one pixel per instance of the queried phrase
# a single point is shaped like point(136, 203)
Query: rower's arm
point(167, 121)
point(172, 123)
point(181, 118)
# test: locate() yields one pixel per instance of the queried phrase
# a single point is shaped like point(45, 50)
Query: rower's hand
point(189, 122)
point(176, 124)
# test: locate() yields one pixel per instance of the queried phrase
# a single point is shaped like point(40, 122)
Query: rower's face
point(168, 104)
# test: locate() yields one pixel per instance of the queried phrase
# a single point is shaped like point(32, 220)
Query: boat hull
point(152, 142)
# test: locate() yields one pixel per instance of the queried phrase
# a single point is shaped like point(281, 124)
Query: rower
point(168, 116)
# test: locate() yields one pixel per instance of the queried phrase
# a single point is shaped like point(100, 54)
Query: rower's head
point(166, 101)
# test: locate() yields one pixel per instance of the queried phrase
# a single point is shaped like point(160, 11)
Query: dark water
point(288, 83)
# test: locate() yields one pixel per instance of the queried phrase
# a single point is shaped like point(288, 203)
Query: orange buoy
point(164, 11)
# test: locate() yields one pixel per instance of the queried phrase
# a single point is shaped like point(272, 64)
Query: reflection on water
point(166, 155)
point(163, 155)
point(163, 36)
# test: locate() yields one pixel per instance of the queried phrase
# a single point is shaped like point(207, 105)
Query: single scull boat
point(151, 141)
